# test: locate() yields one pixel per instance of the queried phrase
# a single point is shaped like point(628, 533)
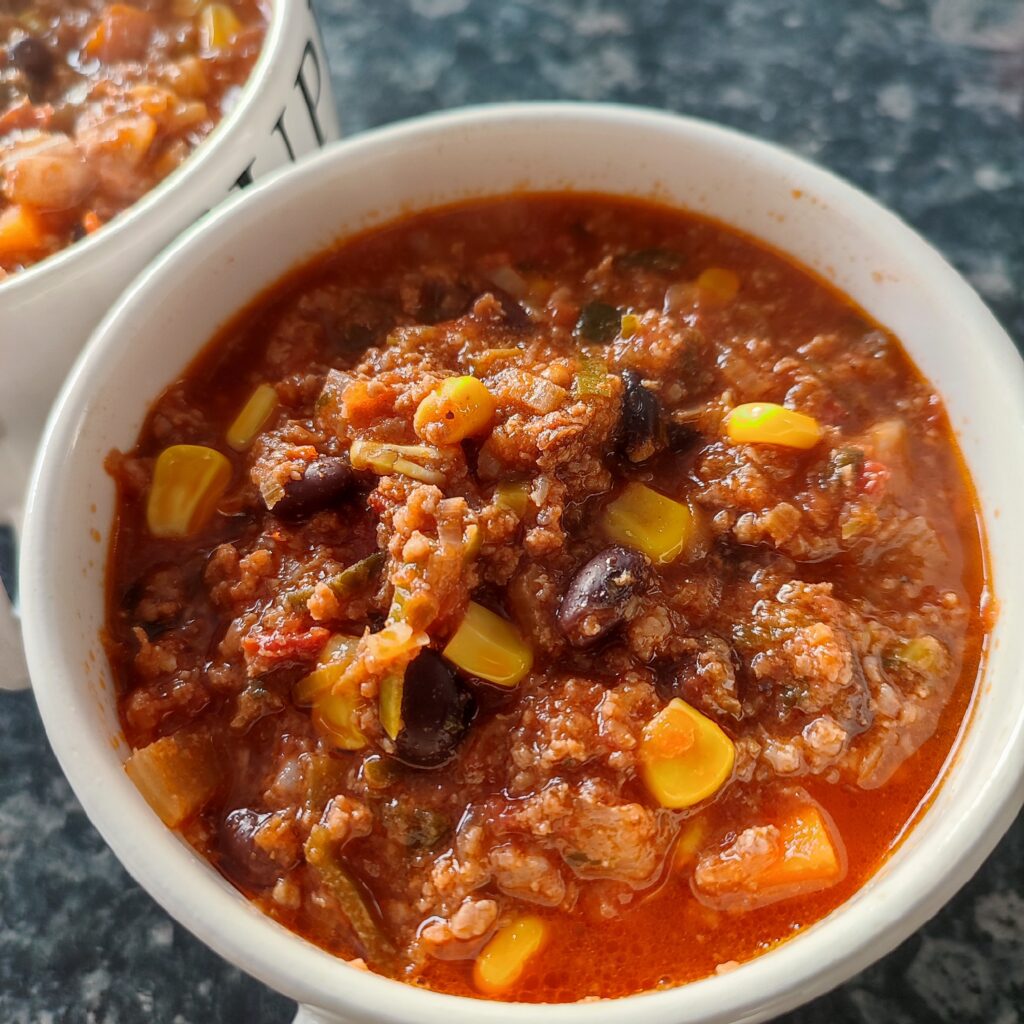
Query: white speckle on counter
point(1000, 915)
point(161, 935)
point(991, 276)
point(952, 979)
point(601, 23)
point(897, 101)
point(93, 986)
point(992, 178)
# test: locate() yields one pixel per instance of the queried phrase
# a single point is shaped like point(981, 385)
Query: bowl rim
point(859, 932)
point(177, 182)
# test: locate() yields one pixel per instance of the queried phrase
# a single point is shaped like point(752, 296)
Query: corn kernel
point(630, 325)
point(685, 757)
point(691, 837)
point(504, 958)
point(513, 495)
point(335, 717)
point(334, 660)
point(218, 25)
point(490, 647)
point(719, 283)
point(642, 518)
point(21, 232)
point(458, 408)
point(473, 538)
point(188, 481)
point(768, 423)
point(253, 417)
point(334, 711)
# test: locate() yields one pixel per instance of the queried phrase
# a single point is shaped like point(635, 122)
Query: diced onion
point(176, 774)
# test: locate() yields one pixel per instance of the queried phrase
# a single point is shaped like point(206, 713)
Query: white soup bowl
point(219, 266)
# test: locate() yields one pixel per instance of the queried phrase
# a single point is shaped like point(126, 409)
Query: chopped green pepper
point(592, 377)
point(598, 322)
point(392, 688)
point(358, 576)
point(419, 828)
point(346, 890)
point(345, 584)
point(379, 772)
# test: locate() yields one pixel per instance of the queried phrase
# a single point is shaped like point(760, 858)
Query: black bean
point(512, 313)
point(324, 482)
point(600, 594)
point(436, 712)
point(641, 424)
point(681, 437)
point(241, 858)
point(33, 58)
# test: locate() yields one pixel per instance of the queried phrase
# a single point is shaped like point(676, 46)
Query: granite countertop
point(920, 102)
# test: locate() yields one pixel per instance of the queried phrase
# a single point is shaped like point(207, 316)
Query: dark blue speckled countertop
point(920, 102)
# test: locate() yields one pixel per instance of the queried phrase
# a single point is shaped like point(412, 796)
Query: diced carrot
point(177, 775)
point(809, 853)
point(91, 222)
point(21, 232)
point(122, 33)
point(767, 863)
point(153, 100)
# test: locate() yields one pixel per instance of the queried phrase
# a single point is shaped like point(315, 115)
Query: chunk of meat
point(800, 854)
point(472, 921)
point(808, 648)
point(597, 834)
point(527, 874)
